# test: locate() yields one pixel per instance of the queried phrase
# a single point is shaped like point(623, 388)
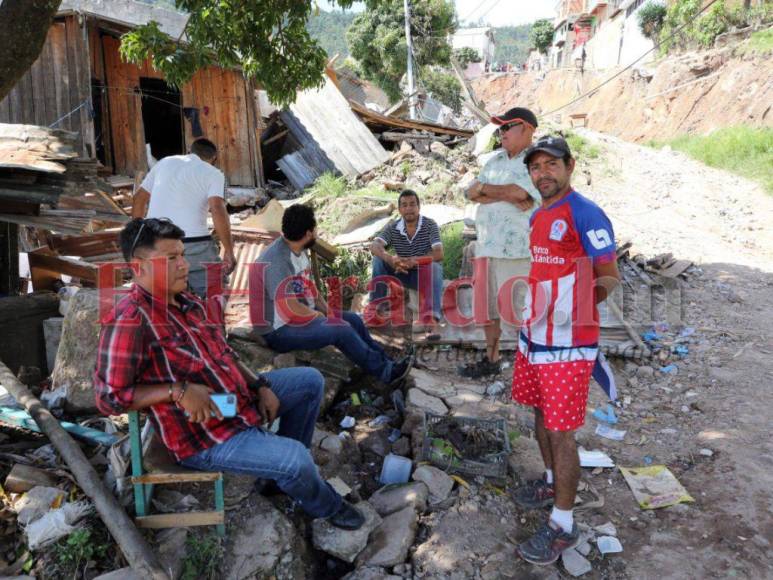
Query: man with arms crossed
point(182, 188)
point(158, 352)
point(506, 197)
point(574, 267)
point(415, 240)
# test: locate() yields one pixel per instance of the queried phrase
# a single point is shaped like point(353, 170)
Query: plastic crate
point(495, 464)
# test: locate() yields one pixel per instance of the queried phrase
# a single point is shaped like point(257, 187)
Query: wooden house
point(80, 83)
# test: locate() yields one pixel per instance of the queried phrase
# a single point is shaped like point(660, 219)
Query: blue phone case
point(226, 402)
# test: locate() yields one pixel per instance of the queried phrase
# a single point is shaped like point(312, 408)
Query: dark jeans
point(284, 457)
point(348, 335)
point(430, 302)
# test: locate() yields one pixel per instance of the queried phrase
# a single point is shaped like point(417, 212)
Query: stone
point(237, 488)
point(645, 372)
point(77, 353)
point(706, 452)
point(284, 360)
point(431, 384)
point(265, 543)
point(52, 333)
point(463, 398)
point(583, 548)
point(391, 540)
point(402, 447)
point(171, 551)
point(438, 482)
point(392, 498)
point(369, 573)
point(606, 529)
point(258, 358)
point(332, 444)
point(345, 544)
point(120, 574)
point(375, 441)
point(422, 402)
point(439, 148)
point(575, 563)
point(525, 460)
point(340, 486)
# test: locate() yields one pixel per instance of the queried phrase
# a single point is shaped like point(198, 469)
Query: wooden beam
point(185, 476)
point(9, 259)
point(180, 520)
point(133, 546)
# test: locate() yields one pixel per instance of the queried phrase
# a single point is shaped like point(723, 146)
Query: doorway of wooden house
point(162, 117)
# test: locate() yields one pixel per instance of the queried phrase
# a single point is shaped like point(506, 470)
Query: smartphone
point(226, 402)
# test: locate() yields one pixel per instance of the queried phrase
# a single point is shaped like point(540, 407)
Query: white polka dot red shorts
point(559, 389)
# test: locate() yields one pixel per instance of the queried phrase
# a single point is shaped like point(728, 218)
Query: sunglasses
point(142, 227)
point(505, 128)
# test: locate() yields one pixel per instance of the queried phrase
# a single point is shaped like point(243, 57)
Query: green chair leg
point(220, 504)
point(140, 500)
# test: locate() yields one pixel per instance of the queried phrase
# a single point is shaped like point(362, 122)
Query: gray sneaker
point(535, 494)
point(546, 545)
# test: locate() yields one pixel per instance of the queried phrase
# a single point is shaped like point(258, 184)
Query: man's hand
point(229, 262)
point(268, 405)
point(198, 404)
point(526, 204)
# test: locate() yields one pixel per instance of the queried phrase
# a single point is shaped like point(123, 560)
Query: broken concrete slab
point(463, 397)
point(432, 385)
point(265, 544)
point(392, 498)
point(77, 353)
point(171, 551)
point(391, 540)
point(52, 333)
point(575, 563)
point(345, 544)
point(327, 441)
point(438, 482)
point(420, 401)
point(24, 477)
point(525, 460)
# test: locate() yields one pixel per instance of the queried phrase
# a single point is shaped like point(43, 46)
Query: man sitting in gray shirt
point(296, 315)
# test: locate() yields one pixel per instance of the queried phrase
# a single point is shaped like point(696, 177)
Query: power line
point(617, 74)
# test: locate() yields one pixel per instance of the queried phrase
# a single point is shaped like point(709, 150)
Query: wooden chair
point(155, 466)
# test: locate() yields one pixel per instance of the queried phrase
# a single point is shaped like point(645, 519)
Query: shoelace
point(544, 537)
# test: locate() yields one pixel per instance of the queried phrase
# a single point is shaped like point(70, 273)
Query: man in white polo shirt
point(507, 198)
point(182, 188)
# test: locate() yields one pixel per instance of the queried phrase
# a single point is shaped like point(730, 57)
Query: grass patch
point(203, 557)
point(743, 150)
point(581, 148)
point(328, 185)
point(453, 247)
point(760, 41)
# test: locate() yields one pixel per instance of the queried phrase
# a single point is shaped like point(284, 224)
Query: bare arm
point(488, 193)
point(378, 249)
point(223, 229)
point(140, 203)
point(195, 400)
point(607, 277)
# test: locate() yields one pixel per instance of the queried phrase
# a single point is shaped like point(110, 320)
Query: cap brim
point(549, 150)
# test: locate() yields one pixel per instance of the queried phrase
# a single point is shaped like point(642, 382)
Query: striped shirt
point(427, 237)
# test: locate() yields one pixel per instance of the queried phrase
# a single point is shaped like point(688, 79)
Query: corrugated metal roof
point(331, 135)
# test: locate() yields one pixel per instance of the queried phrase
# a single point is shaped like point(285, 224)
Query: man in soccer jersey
point(573, 267)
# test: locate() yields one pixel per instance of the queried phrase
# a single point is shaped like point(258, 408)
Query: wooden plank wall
point(221, 97)
point(57, 83)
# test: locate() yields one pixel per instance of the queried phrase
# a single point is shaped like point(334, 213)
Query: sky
point(493, 12)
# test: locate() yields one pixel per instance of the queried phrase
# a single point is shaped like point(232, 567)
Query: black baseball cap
point(515, 114)
point(552, 145)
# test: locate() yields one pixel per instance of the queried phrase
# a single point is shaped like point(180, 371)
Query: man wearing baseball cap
point(574, 267)
point(506, 196)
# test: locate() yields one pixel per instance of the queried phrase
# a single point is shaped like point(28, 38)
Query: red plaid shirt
point(144, 341)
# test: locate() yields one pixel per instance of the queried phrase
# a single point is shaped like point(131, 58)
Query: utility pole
point(411, 79)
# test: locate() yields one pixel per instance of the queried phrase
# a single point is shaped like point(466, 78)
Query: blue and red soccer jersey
point(566, 240)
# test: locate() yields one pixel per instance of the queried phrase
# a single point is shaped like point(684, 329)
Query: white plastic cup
point(396, 469)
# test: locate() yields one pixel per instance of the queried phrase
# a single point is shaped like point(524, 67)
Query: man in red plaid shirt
point(158, 351)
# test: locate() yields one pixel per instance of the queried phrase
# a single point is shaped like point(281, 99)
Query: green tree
point(443, 86)
point(376, 39)
point(651, 18)
point(267, 39)
point(541, 35)
point(465, 55)
point(513, 43)
point(329, 29)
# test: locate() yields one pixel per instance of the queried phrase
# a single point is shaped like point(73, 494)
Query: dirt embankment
point(688, 93)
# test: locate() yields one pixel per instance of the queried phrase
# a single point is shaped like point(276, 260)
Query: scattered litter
point(594, 458)
point(608, 545)
point(687, 331)
point(651, 336)
point(609, 433)
point(607, 416)
point(706, 452)
point(575, 563)
point(671, 369)
point(380, 420)
point(394, 435)
point(607, 529)
point(661, 327)
point(36, 502)
point(655, 486)
point(348, 422)
point(343, 435)
point(356, 400)
point(681, 350)
point(54, 399)
point(461, 481)
point(340, 486)
point(647, 460)
point(495, 388)
point(396, 469)
point(55, 524)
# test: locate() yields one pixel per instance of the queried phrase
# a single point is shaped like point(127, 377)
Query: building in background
point(482, 41)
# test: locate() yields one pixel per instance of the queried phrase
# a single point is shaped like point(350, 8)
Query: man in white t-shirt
point(182, 188)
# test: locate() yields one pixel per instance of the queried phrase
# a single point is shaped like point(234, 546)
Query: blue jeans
point(429, 302)
point(284, 457)
point(348, 335)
